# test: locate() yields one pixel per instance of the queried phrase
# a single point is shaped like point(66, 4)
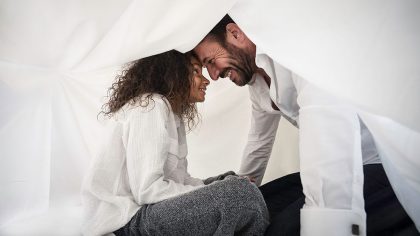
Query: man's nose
point(213, 72)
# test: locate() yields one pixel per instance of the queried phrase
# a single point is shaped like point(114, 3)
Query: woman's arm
point(147, 150)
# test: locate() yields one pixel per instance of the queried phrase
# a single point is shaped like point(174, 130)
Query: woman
point(139, 184)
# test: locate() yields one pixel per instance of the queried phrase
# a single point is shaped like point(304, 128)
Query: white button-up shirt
point(333, 146)
point(143, 161)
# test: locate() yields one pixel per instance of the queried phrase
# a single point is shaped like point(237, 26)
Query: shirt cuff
point(336, 222)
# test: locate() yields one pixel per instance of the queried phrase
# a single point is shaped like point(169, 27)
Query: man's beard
point(242, 62)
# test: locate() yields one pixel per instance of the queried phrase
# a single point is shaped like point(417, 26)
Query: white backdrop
point(57, 58)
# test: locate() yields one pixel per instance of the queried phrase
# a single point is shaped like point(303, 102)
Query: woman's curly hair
point(168, 74)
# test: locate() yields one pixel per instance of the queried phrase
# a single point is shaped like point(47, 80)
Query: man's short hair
point(219, 31)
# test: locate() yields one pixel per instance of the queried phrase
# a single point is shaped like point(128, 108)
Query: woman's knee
point(233, 185)
point(238, 190)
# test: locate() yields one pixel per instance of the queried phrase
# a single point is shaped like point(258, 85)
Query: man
point(333, 189)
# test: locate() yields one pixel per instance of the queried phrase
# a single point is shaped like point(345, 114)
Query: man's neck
point(265, 76)
point(267, 80)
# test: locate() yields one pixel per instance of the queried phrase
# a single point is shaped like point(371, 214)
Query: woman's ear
point(234, 35)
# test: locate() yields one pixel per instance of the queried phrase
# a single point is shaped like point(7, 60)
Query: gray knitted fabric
point(233, 206)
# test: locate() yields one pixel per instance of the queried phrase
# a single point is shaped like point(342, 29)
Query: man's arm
point(260, 143)
point(330, 164)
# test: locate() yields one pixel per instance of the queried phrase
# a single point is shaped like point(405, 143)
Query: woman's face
point(199, 82)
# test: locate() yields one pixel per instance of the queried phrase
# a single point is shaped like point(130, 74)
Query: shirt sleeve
point(330, 164)
point(260, 144)
point(191, 180)
point(147, 150)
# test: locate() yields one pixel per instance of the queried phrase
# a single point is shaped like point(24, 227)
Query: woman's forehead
point(195, 61)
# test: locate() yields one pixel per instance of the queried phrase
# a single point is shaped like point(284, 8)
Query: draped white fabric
point(58, 57)
point(364, 51)
point(56, 60)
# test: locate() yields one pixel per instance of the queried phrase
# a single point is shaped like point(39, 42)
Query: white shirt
point(143, 161)
point(333, 146)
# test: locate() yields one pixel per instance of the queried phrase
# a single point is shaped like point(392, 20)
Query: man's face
point(229, 61)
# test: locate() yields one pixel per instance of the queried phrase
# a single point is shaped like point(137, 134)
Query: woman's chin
point(195, 100)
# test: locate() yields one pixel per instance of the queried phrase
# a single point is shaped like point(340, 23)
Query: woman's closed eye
point(197, 70)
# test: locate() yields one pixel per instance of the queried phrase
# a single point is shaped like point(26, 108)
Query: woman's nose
point(205, 81)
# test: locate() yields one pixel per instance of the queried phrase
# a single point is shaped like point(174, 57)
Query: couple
point(139, 183)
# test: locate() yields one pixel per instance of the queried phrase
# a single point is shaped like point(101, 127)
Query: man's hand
point(218, 177)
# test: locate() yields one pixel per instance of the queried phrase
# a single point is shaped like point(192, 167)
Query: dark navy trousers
point(385, 215)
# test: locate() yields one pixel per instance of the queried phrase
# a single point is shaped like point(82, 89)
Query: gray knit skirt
point(233, 206)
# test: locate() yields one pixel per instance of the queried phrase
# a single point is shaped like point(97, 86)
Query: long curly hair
point(168, 74)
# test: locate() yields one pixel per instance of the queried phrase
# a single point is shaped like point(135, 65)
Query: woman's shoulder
point(151, 102)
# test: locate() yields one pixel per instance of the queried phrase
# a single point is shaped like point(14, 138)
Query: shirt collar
point(254, 77)
point(258, 52)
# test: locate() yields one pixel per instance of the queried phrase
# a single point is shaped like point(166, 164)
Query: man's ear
point(234, 35)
